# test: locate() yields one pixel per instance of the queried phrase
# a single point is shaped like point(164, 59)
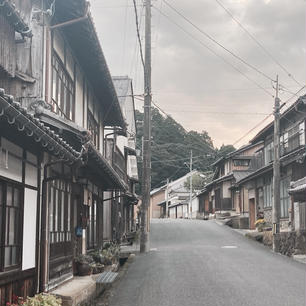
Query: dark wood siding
point(7, 48)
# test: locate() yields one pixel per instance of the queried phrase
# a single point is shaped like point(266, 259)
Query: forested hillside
point(171, 146)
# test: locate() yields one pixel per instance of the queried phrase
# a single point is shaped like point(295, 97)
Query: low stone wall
point(291, 243)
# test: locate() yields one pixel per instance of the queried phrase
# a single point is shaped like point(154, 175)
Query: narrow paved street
point(202, 263)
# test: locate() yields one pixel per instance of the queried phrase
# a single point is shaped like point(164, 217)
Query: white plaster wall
point(59, 45)
point(79, 98)
point(107, 217)
point(185, 211)
point(195, 207)
point(121, 143)
point(10, 166)
point(180, 211)
point(29, 229)
point(226, 190)
point(172, 212)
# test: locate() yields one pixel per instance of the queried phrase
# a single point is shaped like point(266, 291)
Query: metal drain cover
point(106, 277)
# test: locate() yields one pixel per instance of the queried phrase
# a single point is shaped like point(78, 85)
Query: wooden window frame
point(284, 197)
point(60, 216)
point(239, 162)
point(66, 85)
point(268, 192)
point(94, 129)
point(5, 229)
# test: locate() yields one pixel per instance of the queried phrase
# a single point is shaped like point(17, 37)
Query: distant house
point(228, 171)
point(178, 198)
point(157, 203)
point(125, 145)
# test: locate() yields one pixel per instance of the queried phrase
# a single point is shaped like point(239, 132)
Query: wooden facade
point(54, 172)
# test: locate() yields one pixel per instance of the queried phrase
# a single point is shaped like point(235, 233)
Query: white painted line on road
point(229, 247)
point(153, 249)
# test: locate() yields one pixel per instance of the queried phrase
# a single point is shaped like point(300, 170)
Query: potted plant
point(83, 264)
point(260, 224)
point(97, 268)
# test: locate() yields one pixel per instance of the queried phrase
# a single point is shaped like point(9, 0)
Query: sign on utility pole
point(276, 171)
point(190, 187)
point(146, 170)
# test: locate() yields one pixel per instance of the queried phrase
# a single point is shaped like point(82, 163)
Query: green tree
point(171, 146)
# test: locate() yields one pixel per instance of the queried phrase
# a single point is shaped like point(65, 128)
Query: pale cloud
point(192, 84)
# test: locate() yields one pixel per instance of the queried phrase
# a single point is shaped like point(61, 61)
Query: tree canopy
point(171, 146)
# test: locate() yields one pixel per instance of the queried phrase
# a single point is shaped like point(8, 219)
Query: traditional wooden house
point(126, 146)
point(52, 182)
point(157, 207)
point(26, 146)
point(257, 186)
point(179, 196)
point(228, 171)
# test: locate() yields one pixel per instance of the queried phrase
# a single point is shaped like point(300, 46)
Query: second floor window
point(241, 162)
point(94, 129)
point(268, 192)
point(284, 197)
point(269, 152)
point(62, 90)
point(292, 138)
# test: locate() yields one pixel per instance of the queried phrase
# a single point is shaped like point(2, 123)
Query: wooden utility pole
point(190, 187)
point(146, 170)
point(276, 171)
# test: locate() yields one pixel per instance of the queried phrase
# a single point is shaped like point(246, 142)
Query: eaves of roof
point(267, 168)
point(83, 39)
point(33, 128)
point(102, 167)
point(178, 204)
point(236, 152)
point(156, 190)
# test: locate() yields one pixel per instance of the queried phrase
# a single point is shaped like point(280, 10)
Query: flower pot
point(84, 269)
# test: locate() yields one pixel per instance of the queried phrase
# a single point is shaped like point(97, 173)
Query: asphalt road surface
point(195, 262)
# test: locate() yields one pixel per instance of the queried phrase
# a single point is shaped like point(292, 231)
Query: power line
point(295, 94)
point(138, 34)
point(221, 113)
point(252, 129)
point(258, 43)
point(178, 159)
point(262, 121)
point(215, 53)
point(218, 43)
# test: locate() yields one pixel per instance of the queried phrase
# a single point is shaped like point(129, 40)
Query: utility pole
point(167, 197)
point(146, 170)
point(276, 172)
point(190, 191)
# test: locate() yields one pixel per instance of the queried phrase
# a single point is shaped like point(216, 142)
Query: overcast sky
point(192, 84)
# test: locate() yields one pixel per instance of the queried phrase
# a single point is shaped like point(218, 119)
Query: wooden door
point(252, 213)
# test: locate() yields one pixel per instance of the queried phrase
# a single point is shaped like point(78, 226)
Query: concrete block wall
point(268, 215)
